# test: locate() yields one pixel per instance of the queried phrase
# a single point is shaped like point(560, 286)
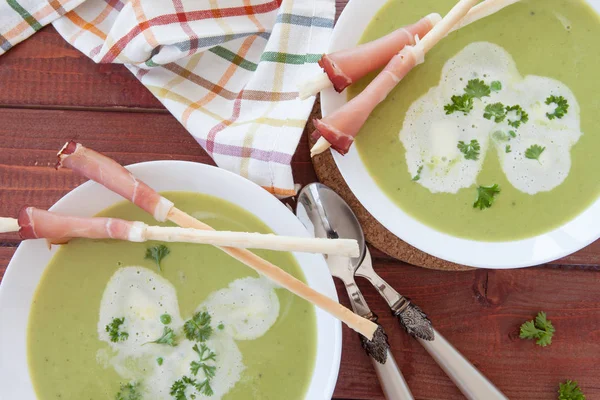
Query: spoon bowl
point(323, 210)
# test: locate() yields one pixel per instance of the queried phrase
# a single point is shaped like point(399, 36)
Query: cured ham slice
point(36, 224)
point(347, 66)
point(41, 224)
point(112, 175)
point(282, 278)
point(339, 129)
point(342, 126)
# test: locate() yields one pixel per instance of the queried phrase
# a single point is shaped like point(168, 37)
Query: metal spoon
point(314, 216)
point(336, 212)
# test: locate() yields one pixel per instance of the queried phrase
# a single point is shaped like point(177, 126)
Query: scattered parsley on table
point(570, 390)
point(540, 329)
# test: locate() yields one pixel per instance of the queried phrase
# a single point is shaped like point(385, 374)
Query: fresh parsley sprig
point(205, 355)
point(157, 253)
point(470, 150)
point(476, 89)
point(495, 111)
point(462, 103)
point(570, 390)
point(562, 106)
point(534, 152)
point(129, 391)
point(486, 196)
point(198, 327)
point(540, 329)
point(522, 116)
point(168, 337)
point(179, 386)
point(113, 329)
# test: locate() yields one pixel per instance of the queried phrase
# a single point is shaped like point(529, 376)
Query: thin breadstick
point(249, 240)
point(294, 285)
point(8, 225)
point(439, 31)
point(483, 10)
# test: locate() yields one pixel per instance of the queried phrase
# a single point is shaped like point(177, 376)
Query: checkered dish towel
point(226, 69)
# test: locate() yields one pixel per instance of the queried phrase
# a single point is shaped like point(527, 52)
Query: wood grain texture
point(46, 71)
point(478, 311)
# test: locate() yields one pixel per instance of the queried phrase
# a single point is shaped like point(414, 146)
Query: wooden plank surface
point(49, 92)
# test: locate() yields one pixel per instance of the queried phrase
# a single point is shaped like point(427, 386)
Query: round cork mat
point(375, 233)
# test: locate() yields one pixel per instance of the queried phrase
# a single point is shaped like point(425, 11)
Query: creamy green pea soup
point(495, 136)
point(132, 321)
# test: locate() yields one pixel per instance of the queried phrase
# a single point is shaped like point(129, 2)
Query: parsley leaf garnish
point(476, 88)
point(179, 386)
point(534, 152)
point(168, 337)
point(495, 111)
point(113, 330)
point(198, 327)
point(562, 106)
point(159, 361)
point(471, 150)
point(221, 327)
point(522, 116)
point(486, 196)
point(496, 86)
point(418, 175)
point(570, 391)
point(205, 354)
point(129, 392)
point(540, 329)
point(157, 253)
point(512, 134)
point(507, 148)
point(462, 103)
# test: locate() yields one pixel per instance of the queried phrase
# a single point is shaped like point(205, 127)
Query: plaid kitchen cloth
point(226, 69)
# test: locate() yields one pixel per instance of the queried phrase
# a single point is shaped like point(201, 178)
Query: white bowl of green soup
point(99, 319)
point(484, 155)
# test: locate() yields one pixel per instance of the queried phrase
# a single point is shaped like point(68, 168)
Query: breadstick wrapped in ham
point(36, 224)
point(342, 68)
point(339, 129)
point(111, 174)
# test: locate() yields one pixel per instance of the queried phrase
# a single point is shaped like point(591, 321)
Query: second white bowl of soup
point(485, 154)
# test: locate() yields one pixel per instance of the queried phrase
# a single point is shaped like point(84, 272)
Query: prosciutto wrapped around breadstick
point(95, 166)
point(339, 129)
point(35, 224)
point(342, 68)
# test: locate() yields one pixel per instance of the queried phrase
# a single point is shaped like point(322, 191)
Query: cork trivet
point(375, 233)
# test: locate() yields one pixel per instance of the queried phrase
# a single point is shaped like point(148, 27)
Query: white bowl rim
point(560, 242)
point(31, 258)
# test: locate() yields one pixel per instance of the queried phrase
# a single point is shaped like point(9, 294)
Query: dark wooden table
point(50, 92)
